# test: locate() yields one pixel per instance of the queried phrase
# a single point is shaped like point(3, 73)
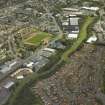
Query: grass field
point(82, 36)
point(37, 38)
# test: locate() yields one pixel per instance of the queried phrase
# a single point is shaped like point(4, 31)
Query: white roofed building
point(92, 39)
point(72, 29)
point(9, 85)
point(66, 23)
point(72, 36)
point(91, 8)
point(20, 77)
point(12, 64)
point(72, 11)
point(49, 49)
point(74, 21)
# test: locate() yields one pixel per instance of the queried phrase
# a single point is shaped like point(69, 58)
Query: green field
point(37, 38)
point(82, 37)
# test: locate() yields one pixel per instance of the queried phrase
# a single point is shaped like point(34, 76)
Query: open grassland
point(38, 38)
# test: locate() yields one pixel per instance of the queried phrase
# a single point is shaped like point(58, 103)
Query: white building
point(92, 39)
point(20, 77)
point(49, 49)
point(91, 8)
point(12, 64)
point(66, 23)
point(30, 64)
point(73, 28)
point(70, 9)
point(5, 69)
point(9, 85)
point(72, 36)
point(74, 21)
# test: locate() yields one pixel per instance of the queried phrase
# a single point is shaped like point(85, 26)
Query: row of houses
point(34, 63)
point(37, 62)
point(81, 11)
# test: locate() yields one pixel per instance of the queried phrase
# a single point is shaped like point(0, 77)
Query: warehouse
point(8, 85)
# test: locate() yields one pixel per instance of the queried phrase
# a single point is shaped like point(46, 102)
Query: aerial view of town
point(52, 52)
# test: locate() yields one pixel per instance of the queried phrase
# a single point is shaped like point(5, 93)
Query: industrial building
point(72, 11)
point(71, 27)
point(21, 73)
point(10, 66)
point(89, 10)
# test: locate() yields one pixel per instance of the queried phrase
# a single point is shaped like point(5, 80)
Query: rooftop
point(70, 9)
point(9, 85)
point(74, 21)
point(92, 39)
point(91, 8)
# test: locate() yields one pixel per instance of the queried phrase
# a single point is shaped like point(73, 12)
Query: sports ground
point(37, 38)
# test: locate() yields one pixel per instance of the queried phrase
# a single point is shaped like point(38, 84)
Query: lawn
point(82, 37)
point(37, 38)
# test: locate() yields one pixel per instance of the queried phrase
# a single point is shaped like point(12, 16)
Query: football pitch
point(37, 38)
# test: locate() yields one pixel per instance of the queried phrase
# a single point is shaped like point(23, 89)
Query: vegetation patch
point(38, 38)
point(82, 37)
point(28, 98)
